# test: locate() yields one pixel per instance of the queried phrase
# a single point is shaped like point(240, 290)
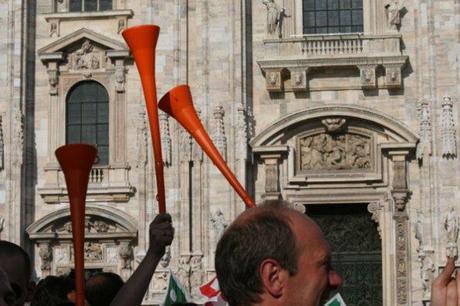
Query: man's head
point(16, 263)
point(102, 288)
point(274, 255)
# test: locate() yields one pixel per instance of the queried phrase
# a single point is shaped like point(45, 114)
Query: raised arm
point(161, 235)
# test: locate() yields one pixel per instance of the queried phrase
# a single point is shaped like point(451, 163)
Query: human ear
point(273, 277)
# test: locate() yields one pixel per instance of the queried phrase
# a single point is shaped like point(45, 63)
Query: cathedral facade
point(347, 109)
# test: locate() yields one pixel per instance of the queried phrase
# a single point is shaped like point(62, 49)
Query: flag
point(210, 294)
point(176, 293)
point(336, 300)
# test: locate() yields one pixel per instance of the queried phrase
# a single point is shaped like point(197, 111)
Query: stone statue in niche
point(85, 58)
point(393, 12)
point(275, 16)
point(126, 255)
point(218, 223)
point(335, 152)
point(451, 227)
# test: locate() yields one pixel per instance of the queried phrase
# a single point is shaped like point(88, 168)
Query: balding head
point(255, 235)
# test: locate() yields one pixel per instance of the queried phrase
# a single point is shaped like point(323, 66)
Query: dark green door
point(356, 250)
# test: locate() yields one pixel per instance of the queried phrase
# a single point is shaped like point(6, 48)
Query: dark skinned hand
point(161, 234)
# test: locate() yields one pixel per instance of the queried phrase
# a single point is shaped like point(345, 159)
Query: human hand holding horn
point(177, 103)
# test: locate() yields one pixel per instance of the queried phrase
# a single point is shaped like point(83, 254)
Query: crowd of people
point(270, 255)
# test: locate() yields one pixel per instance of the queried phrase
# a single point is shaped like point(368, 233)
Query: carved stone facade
point(366, 118)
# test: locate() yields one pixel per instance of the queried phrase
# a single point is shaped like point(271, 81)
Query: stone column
point(271, 156)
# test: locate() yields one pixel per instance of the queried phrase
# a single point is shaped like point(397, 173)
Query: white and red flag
point(211, 295)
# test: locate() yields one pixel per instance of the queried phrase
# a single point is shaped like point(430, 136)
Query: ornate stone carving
point(92, 225)
point(334, 125)
point(196, 273)
point(451, 226)
point(160, 283)
point(393, 76)
point(219, 138)
point(165, 139)
point(401, 258)
point(111, 255)
point(448, 129)
point(46, 255)
point(53, 81)
point(164, 262)
point(242, 130)
point(424, 147)
point(189, 148)
point(183, 271)
point(273, 80)
point(93, 252)
point(334, 152)
point(219, 223)
point(18, 135)
point(375, 208)
point(367, 75)
point(142, 141)
point(393, 12)
point(54, 28)
point(400, 198)
point(419, 230)
point(271, 176)
point(427, 275)
point(121, 25)
point(61, 255)
point(275, 16)
point(85, 58)
point(125, 252)
point(299, 79)
point(120, 71)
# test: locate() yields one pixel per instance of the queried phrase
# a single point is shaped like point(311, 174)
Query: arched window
point(332, 16)
point(87, 117)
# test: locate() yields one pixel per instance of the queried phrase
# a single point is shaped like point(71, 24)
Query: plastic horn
point(76, 161)
point(142, 41)
point(178, 104)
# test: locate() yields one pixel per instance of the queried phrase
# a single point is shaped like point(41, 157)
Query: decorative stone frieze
point(448, 129)
point(402, 259)
point(334, 125)
point(332, 51)
point(326, 152)
point(218, 137)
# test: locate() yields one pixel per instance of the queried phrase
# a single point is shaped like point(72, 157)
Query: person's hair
point(9, 249)
point(52, 291)
point(102, 288)
point(246, 244)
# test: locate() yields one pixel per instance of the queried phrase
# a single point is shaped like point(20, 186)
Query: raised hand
point(445, 288)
